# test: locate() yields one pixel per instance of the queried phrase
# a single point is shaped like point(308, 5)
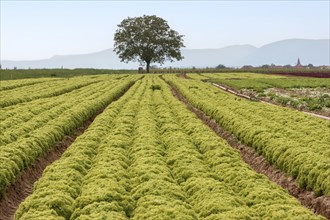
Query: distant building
point(324, 67)
point(299, 64)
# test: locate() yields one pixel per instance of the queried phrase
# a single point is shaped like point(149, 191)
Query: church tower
point(298, 63)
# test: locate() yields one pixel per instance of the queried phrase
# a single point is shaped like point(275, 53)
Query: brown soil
point(23, 187)
point(319, 205)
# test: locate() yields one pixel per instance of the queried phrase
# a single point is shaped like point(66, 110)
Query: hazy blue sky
point(41, 29)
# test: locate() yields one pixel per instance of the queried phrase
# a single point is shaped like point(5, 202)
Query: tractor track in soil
point(319, 205)
point(23, 186)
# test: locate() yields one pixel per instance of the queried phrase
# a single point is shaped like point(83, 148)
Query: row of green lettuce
point(147, 157)
point(19, 119)
point(259, 82)
point(218, 183)
point(44, 89)
point(300, 92)
point(18, 74)
point(294, 142)
point(233, 75)
point(29, 130)
point(84, 181)
point(19, 122)
point(8, 85)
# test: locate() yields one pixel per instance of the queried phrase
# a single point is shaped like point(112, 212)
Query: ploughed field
point(147, 156)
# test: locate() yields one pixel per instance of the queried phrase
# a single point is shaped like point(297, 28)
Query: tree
point(147, 39)
point(220, 66)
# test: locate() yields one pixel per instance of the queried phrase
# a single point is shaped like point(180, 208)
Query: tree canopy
point(147, 39)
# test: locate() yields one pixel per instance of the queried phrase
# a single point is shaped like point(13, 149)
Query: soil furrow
point(319, 205)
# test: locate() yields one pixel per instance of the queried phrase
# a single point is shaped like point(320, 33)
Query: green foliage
point(148, 157)
point(220, 66)
point(42, 90)
point(286, 138)
point(261, 95)
point(283, 100)
point(314, 105)
point(155, 87)
point(32, 74)
point(226, 184)
point(259, 84)
point(29, 130)
point(12, 84)
point(147, 39)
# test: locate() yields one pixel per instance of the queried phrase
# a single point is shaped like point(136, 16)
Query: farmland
point(301, 93)
point(147, 156)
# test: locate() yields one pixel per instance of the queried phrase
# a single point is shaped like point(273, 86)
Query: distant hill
point(284, 52)
point(316, 52)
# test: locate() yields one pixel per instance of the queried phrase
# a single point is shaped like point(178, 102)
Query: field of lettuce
point(146, 156)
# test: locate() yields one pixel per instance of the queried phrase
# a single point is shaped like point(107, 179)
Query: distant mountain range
point(316, 52)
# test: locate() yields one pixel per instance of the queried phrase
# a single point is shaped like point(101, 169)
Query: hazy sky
point(41, 29)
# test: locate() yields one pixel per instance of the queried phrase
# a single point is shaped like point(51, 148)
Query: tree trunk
point(148, 66)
